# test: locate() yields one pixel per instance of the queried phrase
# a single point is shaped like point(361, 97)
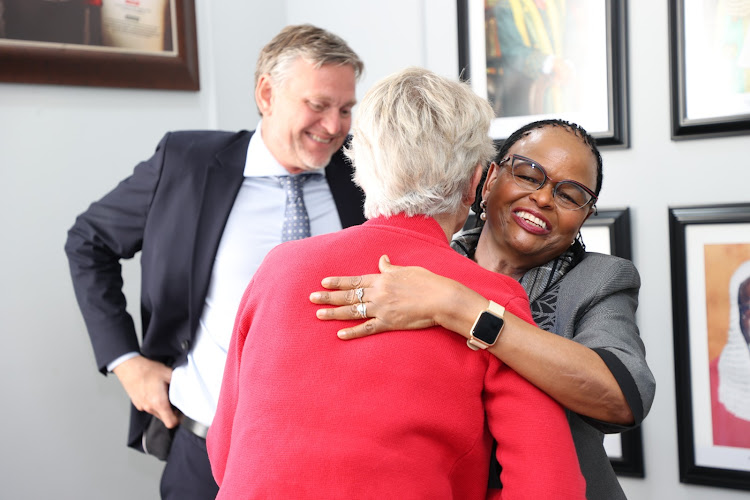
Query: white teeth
point(317, 138)
point(534, 220)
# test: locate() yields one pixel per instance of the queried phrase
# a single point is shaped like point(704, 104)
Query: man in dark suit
point(203, 211)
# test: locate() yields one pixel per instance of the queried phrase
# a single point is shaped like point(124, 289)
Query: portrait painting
point(710, 67)
point(728, 320)
point(710, 250)
point(536, 59)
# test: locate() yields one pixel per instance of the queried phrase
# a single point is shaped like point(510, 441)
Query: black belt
point(191, 425)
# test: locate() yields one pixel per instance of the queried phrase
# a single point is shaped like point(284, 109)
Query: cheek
point(304, 118)
point(346, 124)
point(504, 193)
point(569, 223)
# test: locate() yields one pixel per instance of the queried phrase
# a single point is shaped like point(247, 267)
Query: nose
point(332, 122)
point(544, 196)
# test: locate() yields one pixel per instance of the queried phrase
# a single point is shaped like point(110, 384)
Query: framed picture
point(561, 60)
point(104, 43)
point(710, 253)
point(609, 232)
point(710, 68)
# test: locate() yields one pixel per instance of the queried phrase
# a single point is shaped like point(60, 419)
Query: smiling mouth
point(319, 139)
point(532, 219)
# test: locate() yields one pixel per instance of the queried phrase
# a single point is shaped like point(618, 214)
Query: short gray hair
point(315, 45)
point(416, 141)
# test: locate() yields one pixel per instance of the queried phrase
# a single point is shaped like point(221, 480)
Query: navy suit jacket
point(172, 209)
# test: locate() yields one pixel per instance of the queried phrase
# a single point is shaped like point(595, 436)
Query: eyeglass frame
point(536, 164)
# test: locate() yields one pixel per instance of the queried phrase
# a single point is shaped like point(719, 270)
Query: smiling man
point(306, 118)
point(203, 212)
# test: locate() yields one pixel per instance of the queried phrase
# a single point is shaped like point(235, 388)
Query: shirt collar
point(259, 161)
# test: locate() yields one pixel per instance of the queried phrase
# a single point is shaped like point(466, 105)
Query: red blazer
point(405, 414)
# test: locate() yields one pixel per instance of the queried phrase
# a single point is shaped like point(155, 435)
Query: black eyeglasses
point(531, 176)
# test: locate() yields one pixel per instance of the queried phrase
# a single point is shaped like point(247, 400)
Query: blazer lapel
point(348, 197)
point(223, 181)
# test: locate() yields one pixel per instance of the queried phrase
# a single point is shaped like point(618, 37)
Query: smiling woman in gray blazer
point(586, 351)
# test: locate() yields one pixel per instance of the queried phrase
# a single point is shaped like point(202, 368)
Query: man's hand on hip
point(147, 385)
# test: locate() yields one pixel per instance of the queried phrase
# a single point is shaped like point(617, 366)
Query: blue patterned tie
point(296, 222)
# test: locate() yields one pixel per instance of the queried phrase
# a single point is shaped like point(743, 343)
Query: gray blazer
point(596, 308)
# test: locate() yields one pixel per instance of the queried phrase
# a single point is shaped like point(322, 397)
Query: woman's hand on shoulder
point(399, 298)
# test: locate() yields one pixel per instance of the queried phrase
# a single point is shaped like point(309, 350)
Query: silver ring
point(362, 310)
point(360, 294)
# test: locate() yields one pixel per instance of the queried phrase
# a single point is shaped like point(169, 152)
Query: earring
point(579, 239)
point(483, 206)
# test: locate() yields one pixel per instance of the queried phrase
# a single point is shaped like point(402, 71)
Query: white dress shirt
point(252, 229)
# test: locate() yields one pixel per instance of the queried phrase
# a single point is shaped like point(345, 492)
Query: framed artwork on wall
point(104, 43)
point(609, 233)
point(710, 258)
point(709, 68)
point(561, 60)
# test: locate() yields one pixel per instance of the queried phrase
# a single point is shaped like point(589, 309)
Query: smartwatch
point(487, 327)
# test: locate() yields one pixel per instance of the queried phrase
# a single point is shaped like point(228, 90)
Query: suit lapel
point(348, 197)
point(223, 181)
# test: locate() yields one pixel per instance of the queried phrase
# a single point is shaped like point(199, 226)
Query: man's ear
point(264, 94)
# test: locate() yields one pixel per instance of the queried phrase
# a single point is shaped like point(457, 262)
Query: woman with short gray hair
point(304, 415)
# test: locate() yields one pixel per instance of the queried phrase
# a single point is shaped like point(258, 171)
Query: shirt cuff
point(118, 361)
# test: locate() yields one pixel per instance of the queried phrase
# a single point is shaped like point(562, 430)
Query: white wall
point(62, 147)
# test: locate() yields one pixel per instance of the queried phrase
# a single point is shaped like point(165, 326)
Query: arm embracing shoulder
point(606, 323)
point(109, 230)
point(535, 447)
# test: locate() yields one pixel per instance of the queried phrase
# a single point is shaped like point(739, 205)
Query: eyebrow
point(329, 99)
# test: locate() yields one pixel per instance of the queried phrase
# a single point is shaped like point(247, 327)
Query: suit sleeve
point(608, 326)
point(109, 230)
point(219, 435)
point(535, 446)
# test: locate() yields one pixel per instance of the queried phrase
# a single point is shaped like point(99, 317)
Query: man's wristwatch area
point(487, 327)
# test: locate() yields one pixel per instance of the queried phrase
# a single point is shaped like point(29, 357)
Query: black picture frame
point(612, 236)
point(30, 61)
point(696, 234)
point(614, 43)
point(702, 102)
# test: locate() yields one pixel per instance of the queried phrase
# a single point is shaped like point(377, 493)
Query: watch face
point(488, 327)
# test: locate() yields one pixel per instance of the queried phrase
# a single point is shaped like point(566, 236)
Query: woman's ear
point(592, 211)
point(476, 178)
point(492, 174)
